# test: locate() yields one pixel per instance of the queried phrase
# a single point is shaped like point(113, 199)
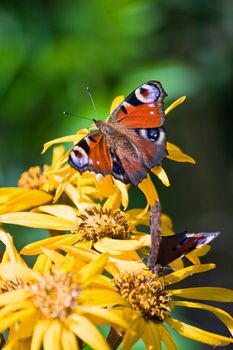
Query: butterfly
point(177, 246)
point(130, 142)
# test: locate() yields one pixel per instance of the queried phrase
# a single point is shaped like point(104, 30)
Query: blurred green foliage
point(51, 50)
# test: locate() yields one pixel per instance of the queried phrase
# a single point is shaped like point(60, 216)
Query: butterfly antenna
point(92, 101)
point(76, 116)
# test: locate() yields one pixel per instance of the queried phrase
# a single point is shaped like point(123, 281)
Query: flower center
point(10, 285)
point(94, 223)
point(33, 178)
point(143, 290)
point(55, 294)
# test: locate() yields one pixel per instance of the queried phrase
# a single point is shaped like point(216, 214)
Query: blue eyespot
point(153, 134)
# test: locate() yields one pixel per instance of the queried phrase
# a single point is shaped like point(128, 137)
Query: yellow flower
point(58, 303)
point(36, 187)
point(94, 226)
point(112, 188)
point(98, 227)
point(152, 307)
point(91, 225)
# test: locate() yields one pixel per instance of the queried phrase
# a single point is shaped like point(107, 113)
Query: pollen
point(11, 285)
point(33, 178)
point(55, 294)
point(95, 222)
point(145, 293)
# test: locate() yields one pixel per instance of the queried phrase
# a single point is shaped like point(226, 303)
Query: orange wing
point(92, 154)
point(143, 108)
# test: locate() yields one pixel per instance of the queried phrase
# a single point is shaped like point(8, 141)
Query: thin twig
point(114, 338)
point(155, 231)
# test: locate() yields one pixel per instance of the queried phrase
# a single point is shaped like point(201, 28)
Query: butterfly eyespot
point(147, 93)
point(78, 157)
point(151, 134)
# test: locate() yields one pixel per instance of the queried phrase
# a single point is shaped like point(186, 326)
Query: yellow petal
point(123, 188)
point(56, 257)
point(175, 104)
point(60, 210)
point(9, 271)
point(125, 266)
point(63, 183)
point(102, 281)
point(50, 243)
point(194, 256)
point(113, 202)
point(160, 172)
point(95, 267)
point(13, 297)
point(83, 244)
point(106, 244)
point(175, 153)
point(52, 336)
point(179, 275)
point(24, 200)
point(177, 265)
point(148, 188)
point(101, 297)
point(7, 192)
point(22, 330)
point(133, 216)
point(116, 102)
point(166, 337)
point(11, 319)
point(205, 293)
point(133, 333)
point(151, 336)
point(11, 250)
point(36, 220)
point(166, 225)
point(57, 154)
point(9, 308)
point(107, 315)
point(105, 184)
point(43, 264)
point(198, 334)
point(222, 315)
point(80, 252)
point(71, 138)
point(87, 332)
point(74, 195)
point(69, 340)
point(38, 334)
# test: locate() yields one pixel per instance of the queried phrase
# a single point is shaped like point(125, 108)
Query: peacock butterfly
point(176, 246)
point(130, 142)
point(166, 249)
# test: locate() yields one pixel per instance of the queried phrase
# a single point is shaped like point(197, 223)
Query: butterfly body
point(131, 142)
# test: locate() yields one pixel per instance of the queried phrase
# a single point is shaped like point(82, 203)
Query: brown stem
point(114, 339)
point(155, 231)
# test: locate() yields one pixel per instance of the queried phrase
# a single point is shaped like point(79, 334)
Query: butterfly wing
point(143, 108)
point(176, 246)
point(92, 154)
point(140, 118)
point(139, 152)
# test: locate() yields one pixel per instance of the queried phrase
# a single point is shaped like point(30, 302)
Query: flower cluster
point(92, 269)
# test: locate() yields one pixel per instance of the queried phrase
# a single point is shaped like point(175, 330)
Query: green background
point(50, 51)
